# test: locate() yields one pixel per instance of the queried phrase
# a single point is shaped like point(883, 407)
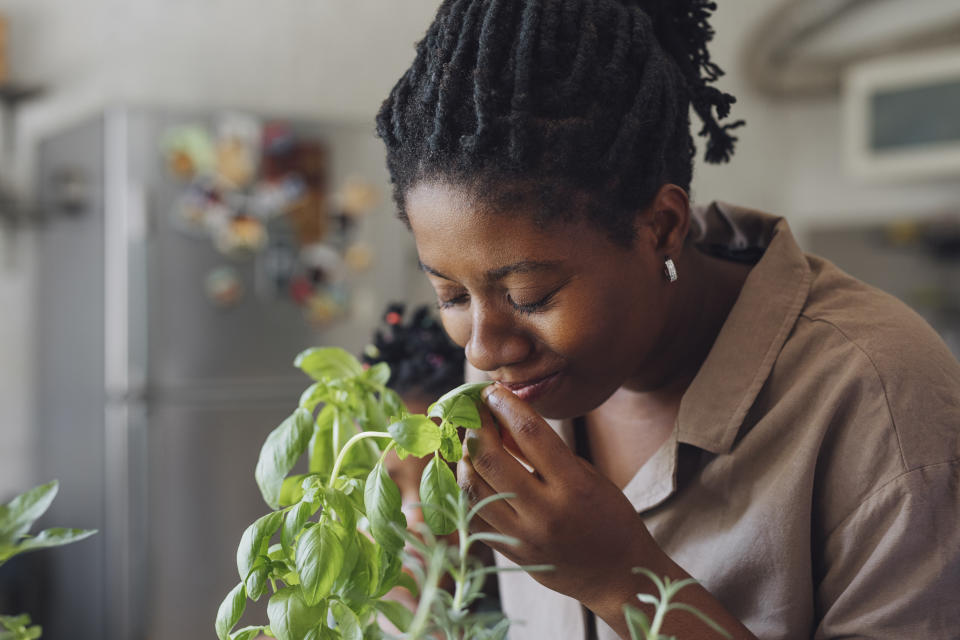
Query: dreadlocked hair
point(423, 360)
point(559, 98)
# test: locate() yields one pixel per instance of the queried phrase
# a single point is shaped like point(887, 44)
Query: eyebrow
point(493, 275)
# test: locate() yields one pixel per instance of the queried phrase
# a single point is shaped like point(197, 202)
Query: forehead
point(455, 224)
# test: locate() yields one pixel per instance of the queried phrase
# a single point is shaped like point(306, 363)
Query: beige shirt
point(812, 482)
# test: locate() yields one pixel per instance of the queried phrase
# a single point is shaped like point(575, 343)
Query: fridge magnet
point(241, 236)
point(190, 152)
point(224, 287)
point(237, 151)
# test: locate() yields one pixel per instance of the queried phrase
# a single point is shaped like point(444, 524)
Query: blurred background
point(191, 193)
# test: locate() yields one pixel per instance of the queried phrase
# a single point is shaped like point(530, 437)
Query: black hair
point(558, 98)
point(422, 359)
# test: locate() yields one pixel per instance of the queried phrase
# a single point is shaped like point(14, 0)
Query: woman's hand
point(564, 514)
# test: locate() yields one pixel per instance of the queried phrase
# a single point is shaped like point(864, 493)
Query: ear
point(667, 220)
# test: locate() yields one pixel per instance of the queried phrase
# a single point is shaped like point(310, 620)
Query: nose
point(496, 340)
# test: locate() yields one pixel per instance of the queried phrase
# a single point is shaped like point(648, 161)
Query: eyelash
point(530, 308)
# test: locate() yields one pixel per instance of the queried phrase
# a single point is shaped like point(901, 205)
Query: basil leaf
point(18, 515)
point(319, 561)
point(436, 483)
point(322, 455)
point(377, 375)
point(450, 446)
point(54, 537)
point(255, 542)
point(291, 491)
point(375, 418)
point(328, 363)
point(291, 618)
point(231, 609)
point(247, 633)
point(256, 582)
point(342, 506)
point(381, 497)
point(293, 523)
point(347, 622)
point(283, 446)
point(396, 613)
point(462, 411)
point(315, 394)
point(442, 407)
point(389, 571)
point(416, 434)
point(393, 405)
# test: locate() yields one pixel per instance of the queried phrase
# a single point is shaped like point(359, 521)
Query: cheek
point(457, 326)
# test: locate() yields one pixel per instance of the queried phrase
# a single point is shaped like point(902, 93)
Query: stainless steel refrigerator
point(152, 402)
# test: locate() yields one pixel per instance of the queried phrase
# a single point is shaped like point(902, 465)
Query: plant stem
point(352, 441)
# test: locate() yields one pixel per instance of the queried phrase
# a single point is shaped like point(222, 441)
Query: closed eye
point(533, 307)
point(456, 301)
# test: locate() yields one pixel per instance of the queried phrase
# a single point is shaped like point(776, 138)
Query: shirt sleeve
point(891, 569)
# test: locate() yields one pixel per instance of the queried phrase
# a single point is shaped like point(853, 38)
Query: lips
point(530, 390)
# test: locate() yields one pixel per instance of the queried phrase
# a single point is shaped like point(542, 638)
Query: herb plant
point(16, 518)
point(642, 628)
point(332, 545)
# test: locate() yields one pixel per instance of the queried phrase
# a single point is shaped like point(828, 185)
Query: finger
point(499, 514)
point(498, 467)
point(537, 441)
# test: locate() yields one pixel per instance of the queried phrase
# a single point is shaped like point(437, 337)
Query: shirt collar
point(714, 406)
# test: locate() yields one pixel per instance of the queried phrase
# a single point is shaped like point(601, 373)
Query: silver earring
point(670, 269)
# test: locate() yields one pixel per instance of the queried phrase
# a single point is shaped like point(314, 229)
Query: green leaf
point(247, 633)
point(315, 394)
point(390, 571)
point(283, 446)
point(18, 515)
point(322, 455)
point(450, 447)
point(406, 581)
point(377, 375)
point(704, 617)
point(342, 506)
point(293, 523)
point(436, 484)
point(320, 556)
point(451, 407)
point(291, 491)
point(416, 434)
point(347, 622)
point(328, 363)
point(637, 623)
point(375, 418)
point(291, 617)
point(393, 405)
point(381, 497)
point(256, 581)
point(396, 613)
point(231, 609)
point(255, 542)
point(54, 537)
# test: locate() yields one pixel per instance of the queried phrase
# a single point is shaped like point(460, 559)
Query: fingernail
point(488, 390)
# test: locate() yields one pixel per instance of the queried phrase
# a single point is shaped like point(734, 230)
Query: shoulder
point(872, 343)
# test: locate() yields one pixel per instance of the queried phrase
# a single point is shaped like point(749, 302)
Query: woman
point(731, 409)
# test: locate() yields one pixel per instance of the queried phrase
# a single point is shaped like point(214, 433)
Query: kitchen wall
point(337, 59)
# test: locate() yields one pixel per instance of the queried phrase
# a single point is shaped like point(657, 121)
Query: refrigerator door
point(202, 496)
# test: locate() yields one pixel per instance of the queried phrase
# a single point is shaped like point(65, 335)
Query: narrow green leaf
point(381, 497)
point(637, 623)
point(328, 363)
point(342, 506)
point(704, 617)
point(347, 622)
point(416, 434)
point(315, 394)
point(255, 541)
point(375, 418)
point(390, 570)
point(319, 561)
point(291, 617)
point(18, 515)
point(231, 609)
point(436, 483)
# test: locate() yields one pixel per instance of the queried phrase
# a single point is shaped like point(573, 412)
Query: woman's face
point(561, 314)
